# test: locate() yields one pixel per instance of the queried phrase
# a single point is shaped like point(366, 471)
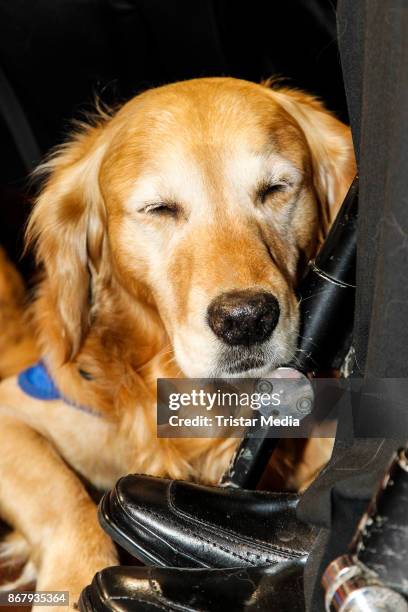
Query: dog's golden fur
point(125, 288)
point(17, 344)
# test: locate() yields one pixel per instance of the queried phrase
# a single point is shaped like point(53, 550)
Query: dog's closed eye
point(265, 190)
point(162, 209)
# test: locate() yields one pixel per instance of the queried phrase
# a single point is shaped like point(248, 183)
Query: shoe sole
point(121, 538)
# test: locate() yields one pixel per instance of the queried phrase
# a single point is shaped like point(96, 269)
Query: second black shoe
point(146, 589)
point(173, 523)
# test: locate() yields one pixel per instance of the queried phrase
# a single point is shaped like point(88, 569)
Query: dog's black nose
point(243, 317)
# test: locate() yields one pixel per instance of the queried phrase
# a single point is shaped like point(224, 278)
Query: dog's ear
point(67, 226)
point(331, 147)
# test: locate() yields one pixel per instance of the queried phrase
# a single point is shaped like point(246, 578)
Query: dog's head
point(207, 196)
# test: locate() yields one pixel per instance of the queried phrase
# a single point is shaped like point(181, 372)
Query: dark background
point(56, 56)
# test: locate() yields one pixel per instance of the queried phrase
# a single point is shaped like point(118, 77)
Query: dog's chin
point(257, 361)
point(242, 368)
point(246, 368)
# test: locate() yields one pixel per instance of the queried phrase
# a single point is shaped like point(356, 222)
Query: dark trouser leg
point(373, 40)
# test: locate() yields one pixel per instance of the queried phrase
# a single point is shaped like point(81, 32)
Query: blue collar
point(37, 382)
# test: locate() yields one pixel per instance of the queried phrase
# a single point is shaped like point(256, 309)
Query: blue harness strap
point(37, 382)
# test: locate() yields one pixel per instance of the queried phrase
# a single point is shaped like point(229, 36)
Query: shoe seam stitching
point(286, 554)
point(214, 544)
point(227, 532)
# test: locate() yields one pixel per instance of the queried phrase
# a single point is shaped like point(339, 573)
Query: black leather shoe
point(122, 589)
point(172, 523)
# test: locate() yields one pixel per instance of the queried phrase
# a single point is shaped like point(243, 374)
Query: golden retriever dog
point(171, 236)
